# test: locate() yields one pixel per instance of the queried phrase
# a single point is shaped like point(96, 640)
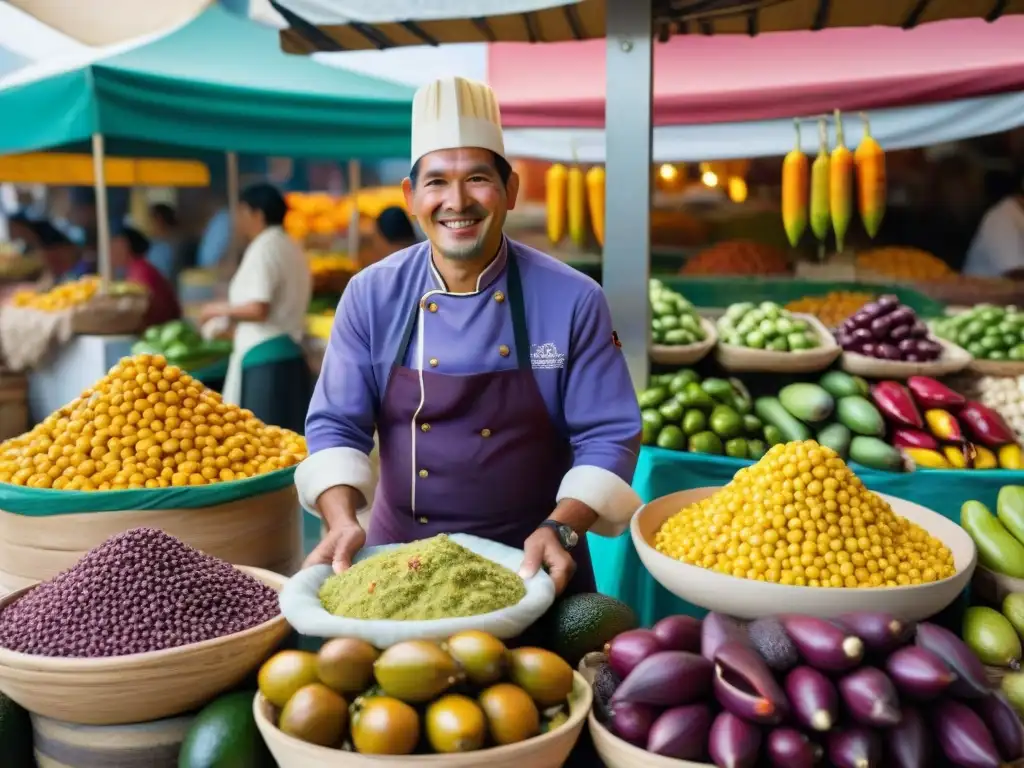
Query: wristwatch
point(566, 535)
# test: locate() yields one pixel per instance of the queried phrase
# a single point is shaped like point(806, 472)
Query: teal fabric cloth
point(219, 83)
point(660, 472)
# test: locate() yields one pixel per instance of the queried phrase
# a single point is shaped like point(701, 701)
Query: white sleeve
point(256, 277)
point(997, 248)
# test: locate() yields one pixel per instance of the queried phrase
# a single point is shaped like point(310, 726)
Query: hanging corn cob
point(595, 200)
point(794, 191)
point(576, 197)
point(840, 178)
point(871, 183)
point(555, 196)
point(820, 217)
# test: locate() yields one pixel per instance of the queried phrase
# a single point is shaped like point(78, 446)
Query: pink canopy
point(706, 80)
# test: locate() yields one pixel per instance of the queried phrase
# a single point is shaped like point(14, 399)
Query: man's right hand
point(338, 547)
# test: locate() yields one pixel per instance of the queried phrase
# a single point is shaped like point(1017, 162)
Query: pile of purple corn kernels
point(142, 590)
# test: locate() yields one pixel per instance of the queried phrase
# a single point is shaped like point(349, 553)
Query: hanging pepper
point(820, 215)
point(794, 191)
point(840, 180)
point(871, 180)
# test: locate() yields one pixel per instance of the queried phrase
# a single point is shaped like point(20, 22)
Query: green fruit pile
point(766, 326)
point(836, 413)
point(988, 332)
point(182, 345)
point(681, 412)
point(674, 322)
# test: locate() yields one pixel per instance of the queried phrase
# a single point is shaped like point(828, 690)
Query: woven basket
point(549, 750)
point(687, 354)
point(141, 687)
point(744, 360)
point(262, 531)
point(997, 367)
point(145, 745)
point(110, 315)
point(953, 360)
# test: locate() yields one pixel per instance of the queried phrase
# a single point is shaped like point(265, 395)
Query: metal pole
point(99, 183)
point(627, 246)
point(354, 183)
point(231, 169)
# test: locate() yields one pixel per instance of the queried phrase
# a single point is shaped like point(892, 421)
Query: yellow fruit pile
point(904, 264)
point(832, 308)
point(801, 517)
point(323, 264)
point(63, 296)
point(146, 424)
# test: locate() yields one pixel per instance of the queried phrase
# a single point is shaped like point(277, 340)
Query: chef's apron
point(488, 458)
point(276, 383)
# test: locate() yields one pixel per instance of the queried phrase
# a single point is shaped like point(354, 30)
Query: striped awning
point(342, 25)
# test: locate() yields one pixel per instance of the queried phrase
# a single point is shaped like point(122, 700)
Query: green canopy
point(219, 83)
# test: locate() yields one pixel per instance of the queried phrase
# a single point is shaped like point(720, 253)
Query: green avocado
point(224, 735)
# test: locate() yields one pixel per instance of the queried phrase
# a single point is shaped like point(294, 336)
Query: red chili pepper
point(904, 437)
point(986, 426)
point(895, 402)
point(930, 393)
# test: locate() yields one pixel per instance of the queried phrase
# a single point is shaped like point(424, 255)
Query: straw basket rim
point(27, 662)
point(685, 354)
point(581, 691)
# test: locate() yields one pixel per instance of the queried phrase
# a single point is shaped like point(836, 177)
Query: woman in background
point(267, 302)
point(129, 251)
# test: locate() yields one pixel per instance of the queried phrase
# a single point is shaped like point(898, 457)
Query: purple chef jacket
point(575, 359)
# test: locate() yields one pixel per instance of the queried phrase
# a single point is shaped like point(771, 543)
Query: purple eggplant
point(679, 633)
point(918, 673)
point(900, 332)
point(734, 743)
point(870, 698)
point(919, 330)
point(855, 747)
point(861, 334)
point(868, 348)
point(1003, 723)
point(813, 699)
point(963, 736)
point(888, 301)
point(881, 632)
point(908, 744)
point(628, 649)
point(632, 722)
point(681, 732)
point(971, 682)
point(744, 685)
point(667, 679)
point(862, 319)
point(822, 644)
point(908, 346)
point(716, 630)
point(880, 326)
point(788, 748)
point(887, 351)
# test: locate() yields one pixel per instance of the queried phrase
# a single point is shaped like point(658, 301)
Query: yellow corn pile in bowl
point(801, 517)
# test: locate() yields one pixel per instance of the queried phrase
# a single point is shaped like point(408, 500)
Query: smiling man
point(490, 371)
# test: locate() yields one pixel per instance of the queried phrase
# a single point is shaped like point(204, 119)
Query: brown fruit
point(315, 714)
point(544, 675)
point(455, 724)
point(480, 655)
point(284, 673)
point(511, 714)
point(385, 726)
point(345, 664)
point(416, 671)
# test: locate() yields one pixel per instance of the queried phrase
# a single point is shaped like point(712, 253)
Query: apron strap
point(516, 305)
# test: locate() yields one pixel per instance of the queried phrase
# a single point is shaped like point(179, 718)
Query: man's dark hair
point(268, 200)
point(138, 243)
point(165, 214)
point(500, 163)
point(394, 225)
point(49, 236)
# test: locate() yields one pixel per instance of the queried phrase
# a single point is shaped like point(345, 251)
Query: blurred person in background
point(128, 257)
point(998, 247)
point(215, 241)
point(394, 231)
point(165, 242)
point(61, 257)
point(267, 302)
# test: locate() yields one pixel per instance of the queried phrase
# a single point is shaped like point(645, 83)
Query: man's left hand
point(543, 548)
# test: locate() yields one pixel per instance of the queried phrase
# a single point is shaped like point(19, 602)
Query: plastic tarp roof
point(218, 83)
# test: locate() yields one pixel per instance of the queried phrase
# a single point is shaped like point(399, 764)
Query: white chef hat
point(453, 112)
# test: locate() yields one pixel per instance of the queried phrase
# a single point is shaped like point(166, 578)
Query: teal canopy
point(219, 83)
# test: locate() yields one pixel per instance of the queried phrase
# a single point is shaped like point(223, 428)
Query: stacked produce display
point(888, 330)
point(181, 345)
point(986, 331)
point(833, 307)
point(739, 258)
point(905, 264)
point(674, 322)
point(766, 326)
point(863, 690)
point(464, 695)
point(1003, 394)
point(71, 294)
